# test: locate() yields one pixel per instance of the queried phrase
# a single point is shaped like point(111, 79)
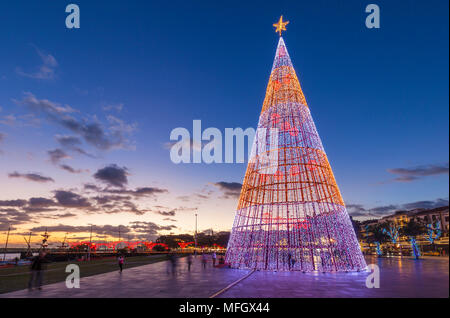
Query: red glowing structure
point(291, 215)
point(114, 245)
point(183, 245)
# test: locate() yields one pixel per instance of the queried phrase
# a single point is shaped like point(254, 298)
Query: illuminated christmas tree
point(291, 215)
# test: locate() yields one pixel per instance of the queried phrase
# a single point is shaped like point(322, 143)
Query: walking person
point(289, 260)
point(173, 261)
point(189, 261)
point(214, 257)
point(121, 260)
point(246, 259)
point(169, 262)
point(204, 260)
point(37, 271)
point(293, 261)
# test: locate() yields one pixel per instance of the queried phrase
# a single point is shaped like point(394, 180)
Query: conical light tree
point(291, 215)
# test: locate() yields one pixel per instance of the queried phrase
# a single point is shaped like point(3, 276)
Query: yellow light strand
point(280, 25)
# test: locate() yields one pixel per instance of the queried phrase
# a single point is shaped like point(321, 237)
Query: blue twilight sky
point(138, 69)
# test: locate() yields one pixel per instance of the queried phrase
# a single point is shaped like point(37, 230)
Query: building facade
point(436, 219)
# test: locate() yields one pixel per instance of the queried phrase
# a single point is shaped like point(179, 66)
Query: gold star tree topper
point(281, 26)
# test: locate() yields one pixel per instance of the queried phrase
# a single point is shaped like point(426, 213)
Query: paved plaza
point(398, 278)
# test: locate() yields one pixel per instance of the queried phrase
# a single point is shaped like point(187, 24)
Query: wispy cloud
point(111, 107)
point(135, 229)
point(72, 143)
point(425, 204)
point(13, 203)
point(45, 71)
point(138, 192)
point(66, 203)
point(57, 155)
point(165, 212)
point(8, 120)
point(415, 173)
point(12, 120)
point(118, 125)
point(359, 210)
point(94, 133)
point(70, 199)
point(71, 169)
point(36, 177)
point(229, 189)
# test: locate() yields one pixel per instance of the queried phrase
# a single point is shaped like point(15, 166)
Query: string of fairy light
point(293, 217)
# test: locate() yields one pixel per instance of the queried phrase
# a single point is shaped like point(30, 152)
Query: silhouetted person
point(120, 261)
point(214, 257)
point(169, 262)
point(204, 260)
point(221, 260)
point(189, 261)
point(173, 262)
point(293, 261)
point(247, 259)
point(37, 271)
point(289, 260)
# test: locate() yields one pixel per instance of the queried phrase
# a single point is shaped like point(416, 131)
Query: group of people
point(214, 259)
point(173, 261)
point(38, 266)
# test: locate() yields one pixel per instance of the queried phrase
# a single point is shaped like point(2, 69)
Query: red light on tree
point(296, 213)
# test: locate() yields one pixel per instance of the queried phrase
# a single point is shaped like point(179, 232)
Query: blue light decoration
point(379, 251)
point(433, 232)
point(393, 232)
point(366, 232)
point(415, 247)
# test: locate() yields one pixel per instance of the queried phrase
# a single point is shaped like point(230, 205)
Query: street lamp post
point(90, 243)
point(6, 244)
point(195, 234)
point(119, 239)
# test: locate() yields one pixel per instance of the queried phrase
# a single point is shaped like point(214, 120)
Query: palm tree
point(433, 232)
point(413, 229)
point(378, 236)
point(392, 230)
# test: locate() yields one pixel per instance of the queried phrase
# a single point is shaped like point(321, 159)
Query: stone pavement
point(399, 278)
point(145, 281)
